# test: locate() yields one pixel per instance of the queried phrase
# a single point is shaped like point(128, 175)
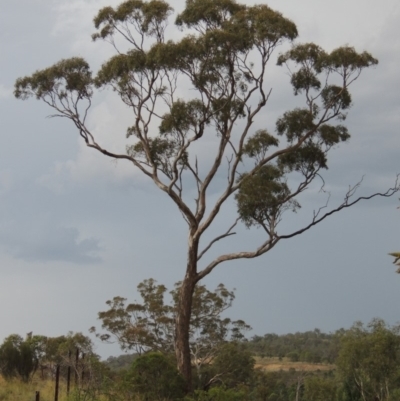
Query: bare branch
point(227, 234)
point(345, 204)
point(263, 248)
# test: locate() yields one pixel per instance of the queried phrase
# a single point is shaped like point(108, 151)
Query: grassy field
point(16, 390)
point(274, 364)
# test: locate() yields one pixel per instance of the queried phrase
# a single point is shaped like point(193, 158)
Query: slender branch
point(227, 234)
point(263, 248)
point(344, 205)
point(270, 243)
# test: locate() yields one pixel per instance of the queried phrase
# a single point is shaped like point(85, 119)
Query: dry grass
point(274, 364)
point(16, 390)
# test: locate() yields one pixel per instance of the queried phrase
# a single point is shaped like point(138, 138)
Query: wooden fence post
point(57, 382)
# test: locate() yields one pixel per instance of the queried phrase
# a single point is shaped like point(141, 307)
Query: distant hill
point(310, 346)
point(122, 362)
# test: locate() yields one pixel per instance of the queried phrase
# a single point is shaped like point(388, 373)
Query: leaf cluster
point(250, 25)
point(263, 197)
point(147, 17)
point(313, 60)
point(67, 76)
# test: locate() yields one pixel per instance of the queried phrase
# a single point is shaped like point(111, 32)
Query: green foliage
point(369, 359)
point(154, 377)
point(21, 359)
point(311, 346)
point(218, 394)
point(257, 146)
point(140, 326)
point(313, 60)
point(233, 365)
point(263, 197)
point(293, 356)
point(119, 70)
point(55, 350)
point(296, 123)
point(212, 13)
point(70, 76)
point(346, 60)
point(184, 117)
point(159, 151)
point(317, 388)
point(277, 386)
point(17, 358)
point(148, 18)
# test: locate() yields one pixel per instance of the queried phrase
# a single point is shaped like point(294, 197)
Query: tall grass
point(16, 390)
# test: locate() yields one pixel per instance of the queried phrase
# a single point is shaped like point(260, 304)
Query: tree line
point(364, 360)
point(310, 346)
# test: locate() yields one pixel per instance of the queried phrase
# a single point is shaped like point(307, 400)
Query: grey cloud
point(44, 242)
point(38, 225)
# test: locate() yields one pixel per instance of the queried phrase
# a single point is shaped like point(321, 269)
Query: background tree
point(223, 59)
point(368, 360)
point(149, 325)
point(233, 366)
point(154, 377)
point(310, 346)
point(317, 388)
point(53, 351)
point(18, 358)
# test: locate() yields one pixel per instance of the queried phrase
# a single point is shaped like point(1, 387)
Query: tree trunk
point(182, 323)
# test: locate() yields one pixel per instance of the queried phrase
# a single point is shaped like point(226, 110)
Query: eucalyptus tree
point(222, 57)
point(368, 361)
point(149, 325)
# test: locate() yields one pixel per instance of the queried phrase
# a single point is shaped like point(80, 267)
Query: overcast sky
point(77, 229)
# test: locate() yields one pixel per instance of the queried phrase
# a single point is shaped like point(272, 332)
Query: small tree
point(149, 325)
point(223, 58)
point(17, 358)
